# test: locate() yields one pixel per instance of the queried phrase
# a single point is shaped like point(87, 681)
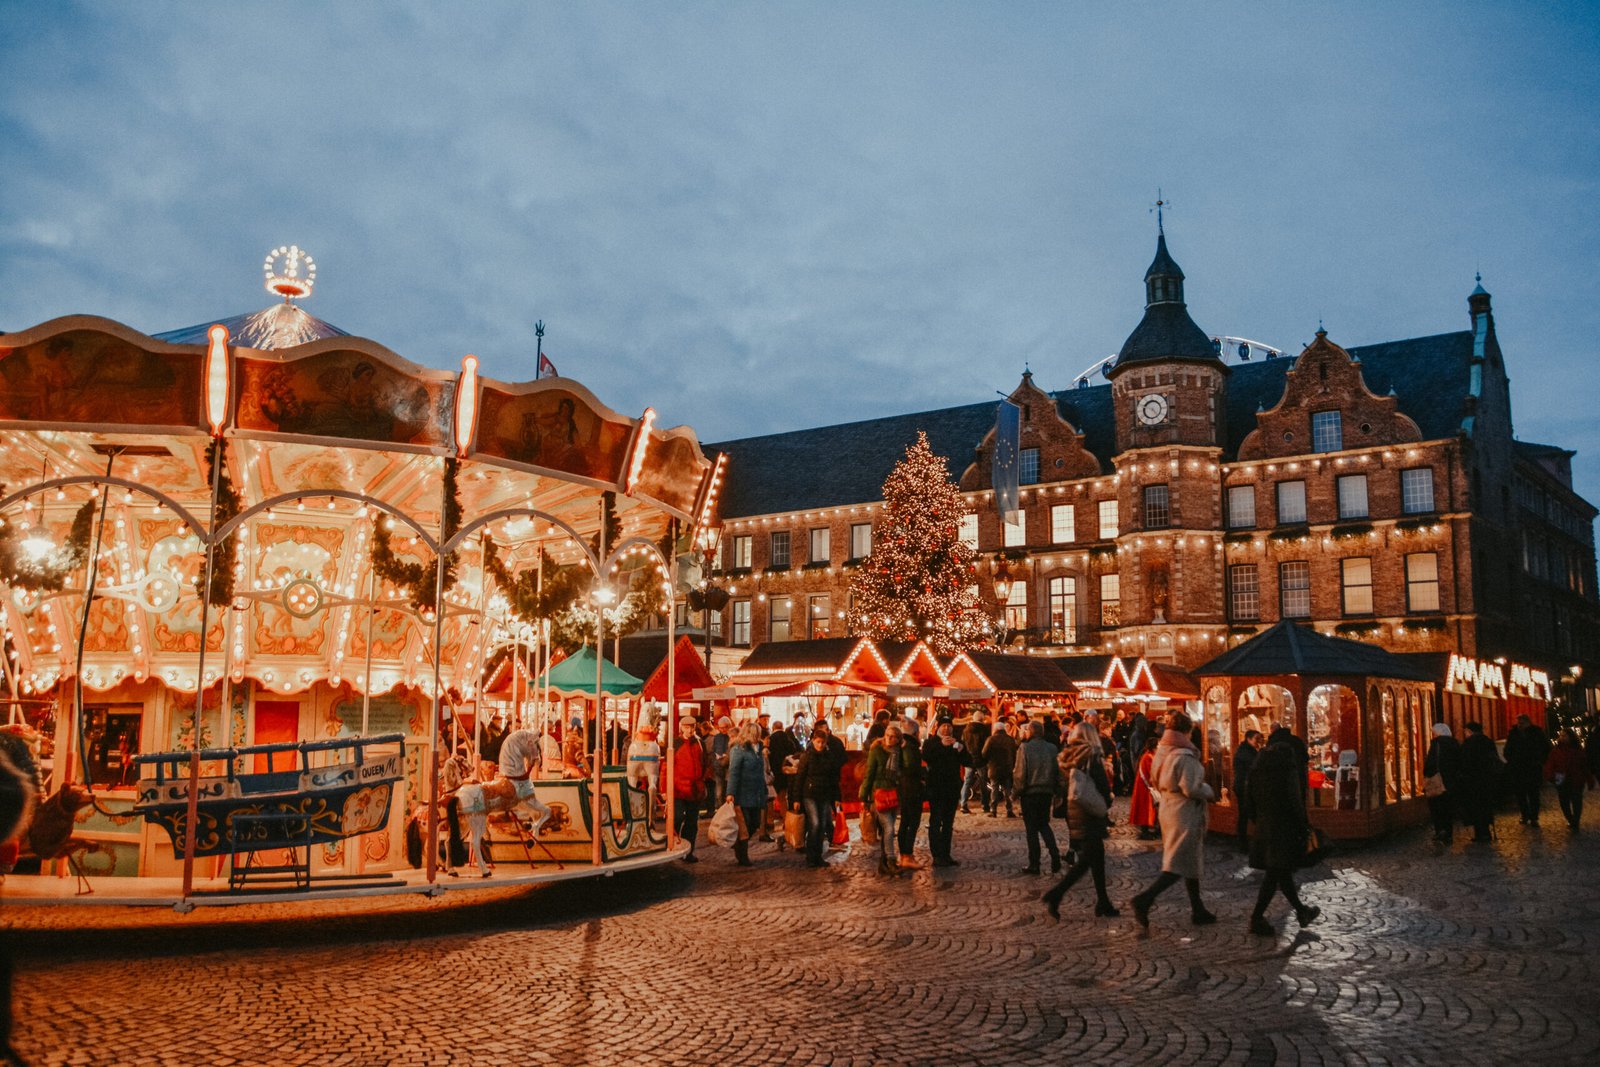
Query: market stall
point(1363, 712)
point(1006, 682)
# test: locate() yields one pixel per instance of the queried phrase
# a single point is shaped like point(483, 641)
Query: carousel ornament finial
point(289, 282)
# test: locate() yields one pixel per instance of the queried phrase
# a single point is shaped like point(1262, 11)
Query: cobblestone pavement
point(1425, 955)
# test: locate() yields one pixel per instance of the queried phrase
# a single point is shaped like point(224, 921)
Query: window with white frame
point(1063, 524)
point(1294, 589)
point(1108, 519)
point(1422, 581)
point(780, 549)
point(1110, 600)
point(741, 552)
point(1157, 507)
point(716, 623)
point(969, 530)
point(860, 540)
point(1291, 502)
point(821, 545)
point(1327, 431)
point(1244, 592)
point(1416, 490)
point(1063, 595)
point(1355, 579)
point(820, 615)
point(741, 622)
point(1353, 496)
point(779, 610)
point(1028, 466)
point(1241, 507)
point(1017, 606)
point(1014, 529)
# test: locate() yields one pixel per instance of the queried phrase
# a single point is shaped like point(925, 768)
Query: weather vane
point(284, 267)
point(1156, 207)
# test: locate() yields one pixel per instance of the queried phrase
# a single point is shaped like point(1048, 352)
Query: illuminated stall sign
point(1486, 678)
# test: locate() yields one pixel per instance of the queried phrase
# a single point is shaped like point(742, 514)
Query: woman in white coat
point(1180, 779)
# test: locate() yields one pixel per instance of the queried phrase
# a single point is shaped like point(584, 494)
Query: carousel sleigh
point(296, 807)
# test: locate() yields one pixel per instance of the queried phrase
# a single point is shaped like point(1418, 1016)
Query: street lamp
point(1002, 593)
point(710, 597)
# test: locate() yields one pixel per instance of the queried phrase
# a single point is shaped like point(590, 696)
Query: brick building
point(1376, 492)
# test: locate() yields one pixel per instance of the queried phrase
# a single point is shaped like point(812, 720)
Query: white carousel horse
point(478, 800)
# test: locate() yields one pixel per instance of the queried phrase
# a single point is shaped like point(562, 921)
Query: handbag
point(841, 829)
point(794, 828)
point(1433, 785)
point(885, 799)
point(1316, 847)
point(724, 827)
point(869, 827)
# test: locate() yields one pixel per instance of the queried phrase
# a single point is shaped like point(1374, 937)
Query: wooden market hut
point(1010, 681)
point(645, 655)
point(1364, 713)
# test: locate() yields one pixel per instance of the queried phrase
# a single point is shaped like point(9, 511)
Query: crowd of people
point(1070, 769)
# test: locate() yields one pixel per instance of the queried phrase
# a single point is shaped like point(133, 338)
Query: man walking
point(973, 738)
point(1244, 758)
point(1480, 779)
point(1035, 777)
point(1527, 748)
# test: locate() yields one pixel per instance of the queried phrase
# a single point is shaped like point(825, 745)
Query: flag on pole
point(546, 368)
point(1004, 474)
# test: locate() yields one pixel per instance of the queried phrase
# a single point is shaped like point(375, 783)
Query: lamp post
point(710, 597)
point(1002, 593)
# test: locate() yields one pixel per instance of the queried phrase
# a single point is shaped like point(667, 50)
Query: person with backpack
point(1088, 822)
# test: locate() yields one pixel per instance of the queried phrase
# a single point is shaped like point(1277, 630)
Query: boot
point(1307, 915)
point(1260, 927)
point(909, 863)
point(741, 852)
point(1104, 909)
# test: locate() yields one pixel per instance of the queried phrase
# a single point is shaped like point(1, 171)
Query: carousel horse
point(49, 836)
point(479, 800)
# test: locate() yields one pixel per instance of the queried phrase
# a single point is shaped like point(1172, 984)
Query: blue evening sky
point(765, 216)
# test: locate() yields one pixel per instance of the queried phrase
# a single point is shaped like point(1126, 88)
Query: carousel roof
point(1288, 648)
point(330, 446)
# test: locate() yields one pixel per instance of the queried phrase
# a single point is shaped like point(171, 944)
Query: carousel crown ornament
point(287, 282)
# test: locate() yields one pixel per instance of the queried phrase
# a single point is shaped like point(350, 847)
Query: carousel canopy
point(575, 675)
point(345, 472)
point(1288, 648)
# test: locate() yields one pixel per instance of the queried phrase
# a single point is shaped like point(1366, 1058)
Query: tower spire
point(1161, 229)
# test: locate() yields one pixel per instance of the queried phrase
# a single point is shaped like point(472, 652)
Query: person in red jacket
point(1142, 808)
point(1568, 768)
point(689, 784)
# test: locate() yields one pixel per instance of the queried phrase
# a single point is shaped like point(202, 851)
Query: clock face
point(1152, 409)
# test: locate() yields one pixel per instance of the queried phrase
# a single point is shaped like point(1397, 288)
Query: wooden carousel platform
point(214, 892)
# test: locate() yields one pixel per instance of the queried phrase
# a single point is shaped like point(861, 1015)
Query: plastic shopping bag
point(724, 828)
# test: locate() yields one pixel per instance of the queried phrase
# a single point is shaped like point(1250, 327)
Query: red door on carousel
point(277, 721)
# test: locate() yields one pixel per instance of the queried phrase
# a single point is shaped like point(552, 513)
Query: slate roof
point(1289, 648)
point(847, 464)
point(825, 654)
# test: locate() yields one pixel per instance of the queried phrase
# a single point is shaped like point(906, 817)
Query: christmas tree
point(919, 581)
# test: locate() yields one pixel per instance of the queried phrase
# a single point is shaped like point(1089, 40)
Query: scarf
point(1177, 739)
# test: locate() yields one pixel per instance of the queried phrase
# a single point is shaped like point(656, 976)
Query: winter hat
point(1441, 729)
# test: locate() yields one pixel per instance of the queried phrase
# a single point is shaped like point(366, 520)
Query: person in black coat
point(1480, 778)
point(781, 745)
point(1277, 800)
point(1443, 759)
point(973, 738)
point(1527, 748)
point(1088, 822)
point(1244, 757)
point(836, 762)
point(813, 788)
point(945, 757)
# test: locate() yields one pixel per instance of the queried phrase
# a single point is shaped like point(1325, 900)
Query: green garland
point(417, 579)
point(225, 557)
point(48, 574)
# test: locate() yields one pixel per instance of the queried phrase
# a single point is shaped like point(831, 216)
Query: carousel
point(255, 577)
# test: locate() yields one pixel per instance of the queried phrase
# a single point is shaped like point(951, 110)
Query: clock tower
point(1168, 389)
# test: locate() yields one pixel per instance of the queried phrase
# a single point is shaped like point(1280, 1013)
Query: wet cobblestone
point(1465, 955)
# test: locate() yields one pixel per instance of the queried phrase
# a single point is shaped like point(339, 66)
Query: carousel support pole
point(431, 850)
point(372, 617)
point(672, 723)
point(90, 576)
point(189, 827)
point(599, 692)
